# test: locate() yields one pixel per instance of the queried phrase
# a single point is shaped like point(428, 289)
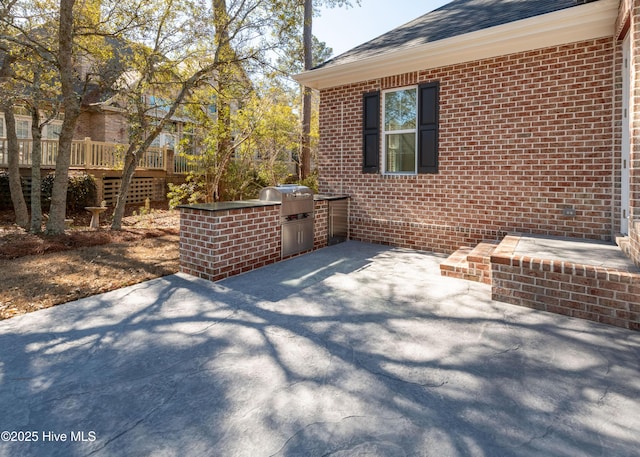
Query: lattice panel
point(140, 190)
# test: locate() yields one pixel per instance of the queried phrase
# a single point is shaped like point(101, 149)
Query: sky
point(343, 29)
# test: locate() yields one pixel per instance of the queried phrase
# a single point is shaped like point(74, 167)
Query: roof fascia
point(570, 25)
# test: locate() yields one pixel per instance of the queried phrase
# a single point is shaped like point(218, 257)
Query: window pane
point(400, 110)
point(1, 127)
point(22, 129)
point(169, 140)
point(53, 131)
point(401, 153)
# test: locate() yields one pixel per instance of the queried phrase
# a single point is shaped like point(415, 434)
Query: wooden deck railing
point(91, 154)
point(184, 165)
point(86, 154)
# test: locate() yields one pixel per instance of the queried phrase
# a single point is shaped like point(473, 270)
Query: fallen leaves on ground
point(38, 272)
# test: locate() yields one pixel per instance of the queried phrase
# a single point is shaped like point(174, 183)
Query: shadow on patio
point(355, 349)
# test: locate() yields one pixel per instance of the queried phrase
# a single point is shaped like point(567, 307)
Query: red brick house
point(486, 117)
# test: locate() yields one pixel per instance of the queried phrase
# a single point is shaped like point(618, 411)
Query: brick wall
point(320, 224)
point(522, 137)
point(630, 10)
point(106, 126)
point(218, 244)
point(115, 128)
point(587, 292)
point(86, 126)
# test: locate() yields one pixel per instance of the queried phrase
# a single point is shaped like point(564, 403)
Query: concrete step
point(472, 264)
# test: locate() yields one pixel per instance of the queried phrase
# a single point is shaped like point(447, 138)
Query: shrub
point(81, 191)
point(5, 193)
point(189, 192)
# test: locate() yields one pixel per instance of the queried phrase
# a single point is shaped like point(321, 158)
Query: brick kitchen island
point(218, 240)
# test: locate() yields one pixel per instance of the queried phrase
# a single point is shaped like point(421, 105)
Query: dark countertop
point(226, 206)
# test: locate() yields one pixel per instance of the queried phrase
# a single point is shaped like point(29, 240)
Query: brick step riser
point(470, 264)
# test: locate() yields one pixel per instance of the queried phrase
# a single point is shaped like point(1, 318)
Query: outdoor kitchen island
point(218, 240)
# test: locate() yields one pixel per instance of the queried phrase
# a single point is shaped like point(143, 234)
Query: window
point(169, 140)
point(23, 128)
point(1, 127)
point(158, 103)
point(53, 131)
point(409, 130)
point(399, 114)
point(165, 138)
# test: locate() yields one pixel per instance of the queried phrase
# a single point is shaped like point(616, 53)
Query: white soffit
point(579, 23)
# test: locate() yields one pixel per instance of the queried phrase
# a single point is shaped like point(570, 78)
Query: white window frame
point(386, 132)
point(23, 120)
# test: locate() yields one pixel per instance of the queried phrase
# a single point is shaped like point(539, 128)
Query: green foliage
point(259, 138)
point(188, 193)
point(311, 181)
point(81, 191)
point(145, 210)
point(241, 181)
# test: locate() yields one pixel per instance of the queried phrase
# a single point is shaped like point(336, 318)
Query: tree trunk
point(15, 184)
point(128, 171)
point(225, 76)
point(71, 108)
point(307, 35)
point(36, 180)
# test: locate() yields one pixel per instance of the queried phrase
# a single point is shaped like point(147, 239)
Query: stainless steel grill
point(296, 216)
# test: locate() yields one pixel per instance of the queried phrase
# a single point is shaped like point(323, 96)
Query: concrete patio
point(355, 349)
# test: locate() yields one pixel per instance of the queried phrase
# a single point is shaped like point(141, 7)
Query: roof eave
point(579, 23)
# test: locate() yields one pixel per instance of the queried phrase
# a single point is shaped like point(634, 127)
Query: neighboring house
point(100, 137)
point(107, 121)
point(485, 117)
point(23, 126)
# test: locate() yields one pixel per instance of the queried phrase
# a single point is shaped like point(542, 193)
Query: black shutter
point(428, 113)
point(371, 133)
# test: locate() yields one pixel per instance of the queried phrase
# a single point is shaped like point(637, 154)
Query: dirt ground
point(41, 271)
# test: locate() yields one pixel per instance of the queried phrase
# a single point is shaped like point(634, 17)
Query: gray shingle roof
point(455, 18)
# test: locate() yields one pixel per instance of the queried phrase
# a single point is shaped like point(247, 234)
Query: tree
point(36, 178)
point(71, 37)
point(71, 108)
point(15, 182)
point(275, 134)
point(7, 100)
point(43, 103)
point(216, 138)
point(308, 47)
point(170, 66)
point(214, 47)
point(47, 35)
point(266, 132)
point(36, 89)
